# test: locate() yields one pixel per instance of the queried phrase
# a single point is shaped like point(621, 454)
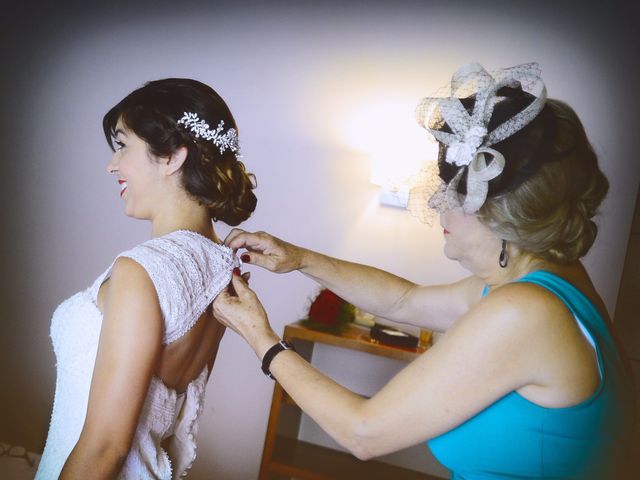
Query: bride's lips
point(123, 186)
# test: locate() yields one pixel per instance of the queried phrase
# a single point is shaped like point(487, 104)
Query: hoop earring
point(503, 261)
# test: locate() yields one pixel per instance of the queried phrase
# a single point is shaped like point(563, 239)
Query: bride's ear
point(174, 162)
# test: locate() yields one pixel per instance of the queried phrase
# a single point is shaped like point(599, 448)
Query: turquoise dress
point(517, 439)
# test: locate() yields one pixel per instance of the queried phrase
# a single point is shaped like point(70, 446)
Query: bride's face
point(138, 173)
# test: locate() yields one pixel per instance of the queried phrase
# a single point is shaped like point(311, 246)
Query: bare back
point(182, 361)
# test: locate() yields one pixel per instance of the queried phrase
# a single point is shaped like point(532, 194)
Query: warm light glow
point(388, 133)
point(370, 113)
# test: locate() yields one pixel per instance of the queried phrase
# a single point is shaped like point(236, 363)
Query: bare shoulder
point(518, 315)
point(517, 325)
point(522, 294)
point(130, 285)
point(527, 305)
point(532, 323)
point(126, 266)
point(128, 272)
point(559, 365)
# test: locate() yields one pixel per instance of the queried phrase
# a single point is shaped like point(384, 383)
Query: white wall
point(293, 76)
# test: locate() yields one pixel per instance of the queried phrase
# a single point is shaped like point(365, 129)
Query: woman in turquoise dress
point(527, 380)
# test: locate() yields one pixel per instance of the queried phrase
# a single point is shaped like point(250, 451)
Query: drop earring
point(503, 261)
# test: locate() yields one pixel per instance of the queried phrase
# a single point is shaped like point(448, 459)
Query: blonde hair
point(550, 214)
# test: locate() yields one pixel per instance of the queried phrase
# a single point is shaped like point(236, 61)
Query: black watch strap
point(272, 352)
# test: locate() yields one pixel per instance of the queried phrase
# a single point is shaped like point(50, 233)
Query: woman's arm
point(485, 355)
point(129, 348)
point(373, 290)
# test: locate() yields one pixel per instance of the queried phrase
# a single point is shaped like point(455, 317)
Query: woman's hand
point(371, 289)
point(266, 250)
point(244, 314)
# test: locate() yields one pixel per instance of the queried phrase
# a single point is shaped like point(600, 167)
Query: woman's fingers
point(224, 307)
point(242, 289)
point(240, 310)
point(238, 238)
point(260, 259)
point(263, 250)
point(233, 234)
point(220, 305)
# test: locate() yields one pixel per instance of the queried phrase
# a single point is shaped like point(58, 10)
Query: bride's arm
point(128, 351)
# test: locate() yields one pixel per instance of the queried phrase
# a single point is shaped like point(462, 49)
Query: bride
point(134, 350)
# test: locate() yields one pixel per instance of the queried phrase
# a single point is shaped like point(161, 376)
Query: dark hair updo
point(551, 187)
point(217, 180)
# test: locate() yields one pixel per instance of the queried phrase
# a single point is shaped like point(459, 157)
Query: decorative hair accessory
point(200, 128)
point(469, 143)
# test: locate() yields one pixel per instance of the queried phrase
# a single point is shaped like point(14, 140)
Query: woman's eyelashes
point(118, 144)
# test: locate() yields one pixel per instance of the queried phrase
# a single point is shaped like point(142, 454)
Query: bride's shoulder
point(183, 258)
point(184, 242)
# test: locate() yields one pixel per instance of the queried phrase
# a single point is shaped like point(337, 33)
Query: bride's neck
point(183, 215)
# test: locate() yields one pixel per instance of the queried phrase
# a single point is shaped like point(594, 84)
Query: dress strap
point(187, 269)
point(587, 316)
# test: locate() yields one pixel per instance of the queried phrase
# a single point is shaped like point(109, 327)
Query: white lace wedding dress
point(188, 271)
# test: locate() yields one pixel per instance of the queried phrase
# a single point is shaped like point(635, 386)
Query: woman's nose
point(112, 165)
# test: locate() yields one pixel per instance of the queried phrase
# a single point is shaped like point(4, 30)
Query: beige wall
point(291, 76)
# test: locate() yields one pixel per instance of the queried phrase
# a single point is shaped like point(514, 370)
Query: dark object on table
point(393, 337)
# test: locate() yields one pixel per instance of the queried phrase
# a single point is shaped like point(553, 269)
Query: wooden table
point(285, 456)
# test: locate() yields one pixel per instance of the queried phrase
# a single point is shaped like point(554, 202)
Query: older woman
point(527, 381)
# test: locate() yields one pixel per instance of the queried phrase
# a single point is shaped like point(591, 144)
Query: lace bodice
point(188, 271)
